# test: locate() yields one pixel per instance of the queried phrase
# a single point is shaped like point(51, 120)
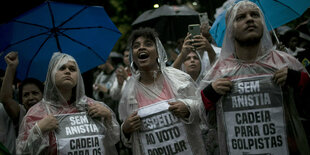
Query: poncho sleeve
point(30, 139)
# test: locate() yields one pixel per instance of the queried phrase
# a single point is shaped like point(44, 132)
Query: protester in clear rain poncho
point(190, 60)
point(236, 87)
point(194, 66)
point(152, 82)
point(64, 94)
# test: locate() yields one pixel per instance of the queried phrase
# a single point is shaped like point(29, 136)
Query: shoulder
point(279, 59)
point(37, 111)
point(281, 53)
point(92, 101)
point(283, 57)
point(179, 79)
point(222, 65)
point(176, 73)
point(37, 106)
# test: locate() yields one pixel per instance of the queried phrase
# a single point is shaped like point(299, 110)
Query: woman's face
point(145, 54)
point(192, 63)
point(31, 95)
point(66, 76)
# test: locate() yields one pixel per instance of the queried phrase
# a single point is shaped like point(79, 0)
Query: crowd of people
point(249, 96)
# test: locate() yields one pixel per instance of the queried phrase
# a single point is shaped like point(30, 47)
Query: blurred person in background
point(291, 40)
point(12, 113)
point(105, 79)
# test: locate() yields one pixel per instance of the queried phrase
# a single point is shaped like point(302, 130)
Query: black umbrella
point(169, 21)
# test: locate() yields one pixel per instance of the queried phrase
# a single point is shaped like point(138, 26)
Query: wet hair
point(27, 81)
point(288, 35)
point(146, 32)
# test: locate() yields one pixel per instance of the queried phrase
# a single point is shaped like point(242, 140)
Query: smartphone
point(194, 29)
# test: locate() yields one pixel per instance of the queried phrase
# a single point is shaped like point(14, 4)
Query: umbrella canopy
point(276, 12)
point(85, 32)
point(169, 21)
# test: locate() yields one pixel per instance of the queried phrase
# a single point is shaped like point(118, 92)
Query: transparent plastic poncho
point(32, 141)
point(180, 87)
point(268, 60)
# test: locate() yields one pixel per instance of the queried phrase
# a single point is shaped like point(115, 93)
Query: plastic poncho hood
point(52, 93)
point(228, 48)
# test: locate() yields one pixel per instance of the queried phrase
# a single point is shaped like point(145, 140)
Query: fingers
point(93, 110)
point(201, 43)
point(134, 117)
point(11, 58)
point(135, 126)
point(224, 82)
point(98, 110)
point(172, 106)
point(93, 113)
point(281, 81)
point(279, 73)
point(132, 123)
point(55, 122)
point(280, 76)
point(48, 123)
point(187, 36)
point(134, 113)
point(187, 42)
point(52, 120)
point(222, 86)
point(223, 89)
point(179, 109)
point(12, 55)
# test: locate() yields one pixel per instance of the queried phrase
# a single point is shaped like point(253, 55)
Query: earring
point(131, 65)
point(158, 63)
point(133, 68)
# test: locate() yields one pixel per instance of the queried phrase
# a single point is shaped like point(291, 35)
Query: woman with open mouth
point(174, 128)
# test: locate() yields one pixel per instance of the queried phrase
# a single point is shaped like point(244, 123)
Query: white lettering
point(250, 100)
point(81, 129)
point(248, 87)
